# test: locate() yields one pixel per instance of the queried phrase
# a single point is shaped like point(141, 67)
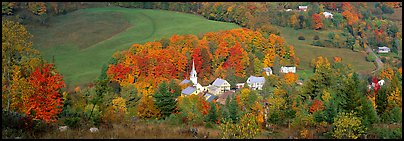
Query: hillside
point(80, 44)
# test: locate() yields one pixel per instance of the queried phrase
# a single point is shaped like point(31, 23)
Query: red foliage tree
point(318, 24)
point(46, 101)
point(317, 105)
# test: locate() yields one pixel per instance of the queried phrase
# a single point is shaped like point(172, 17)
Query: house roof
point(219, 82)
point(240, 84)
point(222, 98)
point(211, 98)
point(383, 48)
point(185, 81)
point(268, 69)
point(253, 79)
point(288, 66)
point(189, 90)
point(225, 94)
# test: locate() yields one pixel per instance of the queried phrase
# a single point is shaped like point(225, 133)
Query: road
point(378, 61)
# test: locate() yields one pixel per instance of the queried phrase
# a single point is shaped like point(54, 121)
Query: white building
point(327, 15)
point(303, 8)
point(221, 84)
point(287, 69)
point(268, 71)
point(255, 83)
point(383, 50)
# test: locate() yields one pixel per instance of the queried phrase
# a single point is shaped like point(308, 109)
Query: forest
point(138, 91)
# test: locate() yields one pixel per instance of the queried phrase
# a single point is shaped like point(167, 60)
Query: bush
point(12, 120)
point(347, 126)
point(318, 43)
point(72, 122)
point(301, 38)
point(386, 133)
point(370, 58)
point(316, 37)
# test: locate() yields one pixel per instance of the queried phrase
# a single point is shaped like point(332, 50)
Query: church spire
point(193, 76)
point(193, 65)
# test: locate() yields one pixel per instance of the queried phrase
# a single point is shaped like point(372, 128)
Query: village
point(220, 89)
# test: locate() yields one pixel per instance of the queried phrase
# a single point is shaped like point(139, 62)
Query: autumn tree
point(16, 51)
point(247, 128)
point(290, 78)
point(347, 126)
point(46, 100)
point(318, 24)
point(237, 60)
point(147, 109)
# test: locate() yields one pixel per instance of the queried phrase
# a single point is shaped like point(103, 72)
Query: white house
point(383, 50)
point(222, 84)
point(213, 90)
point(287, 10)
point(327, 15)
point(268, 71)
point(287, 69)
point(255, 82)
point(303, 8)
point(239, 85)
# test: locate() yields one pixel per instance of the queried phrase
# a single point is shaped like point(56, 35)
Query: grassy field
point(306, 52)
point(82, 41)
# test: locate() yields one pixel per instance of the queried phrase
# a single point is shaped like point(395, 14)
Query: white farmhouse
point(222, 85)
point(287, 69)
point(383, 50)
point(268, 71)
point(255, 83)
point(303, 8)
point(327, 15)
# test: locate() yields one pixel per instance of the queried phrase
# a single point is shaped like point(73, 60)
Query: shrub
point(12, 120)
point(386, 133)
point(316, 37)
point(347, 126)
point(246, 129)
point(318, 43)
point(72, 122)
point(370, 58)
point(301, 38)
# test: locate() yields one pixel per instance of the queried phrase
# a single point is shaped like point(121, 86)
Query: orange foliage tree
point(290, 78)
point(45, 101)
point(318, 24)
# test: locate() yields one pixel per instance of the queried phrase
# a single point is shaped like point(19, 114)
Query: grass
point(82, 41)
point(306, 52)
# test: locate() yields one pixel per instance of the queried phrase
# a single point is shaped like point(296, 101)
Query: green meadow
point(81, 42)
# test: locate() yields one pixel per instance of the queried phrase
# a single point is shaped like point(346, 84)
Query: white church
point(220, 85)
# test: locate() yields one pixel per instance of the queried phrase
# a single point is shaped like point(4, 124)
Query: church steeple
point(193, 76)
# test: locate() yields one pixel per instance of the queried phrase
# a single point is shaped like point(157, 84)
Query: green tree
point(234, 110)
point(164, 100)
point(368, 113)
point(212, 115)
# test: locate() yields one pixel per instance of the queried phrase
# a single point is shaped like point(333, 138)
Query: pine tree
point(233, 110)
point(164, 100)
point(212, 115)
point(368, 113)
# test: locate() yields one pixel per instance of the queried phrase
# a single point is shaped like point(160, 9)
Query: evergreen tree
point(381, 100)
point(212, 115)
point(174, 88)
point(233, 110)
point(368, 113)
point(164, 100)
